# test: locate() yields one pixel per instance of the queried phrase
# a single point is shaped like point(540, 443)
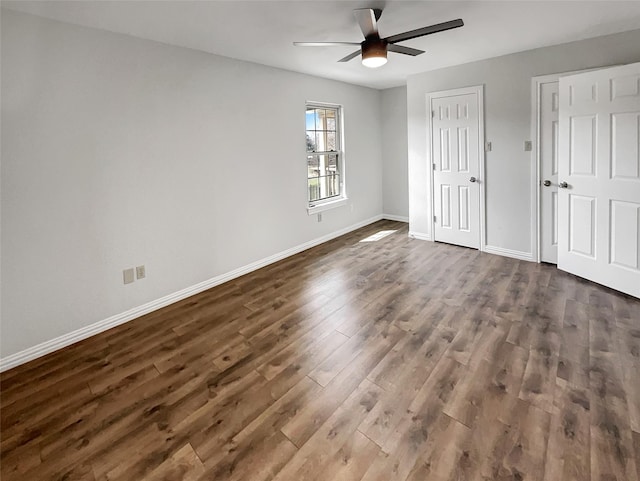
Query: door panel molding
point(462, 139)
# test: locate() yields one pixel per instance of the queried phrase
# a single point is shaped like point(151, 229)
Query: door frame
point(536, 165)
point(479, 91)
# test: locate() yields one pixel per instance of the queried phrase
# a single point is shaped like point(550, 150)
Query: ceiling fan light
point(374, 54)
point(374, 62)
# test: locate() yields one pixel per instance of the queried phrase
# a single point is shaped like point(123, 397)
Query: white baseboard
point(65, 340)
point(398, 218)
point(525, 256)
point(419, 236)
point(501, 251)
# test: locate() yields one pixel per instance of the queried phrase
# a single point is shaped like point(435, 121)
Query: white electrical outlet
point(141, 273)
point(127, 276)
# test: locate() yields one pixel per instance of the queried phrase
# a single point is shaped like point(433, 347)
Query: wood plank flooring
point(394, 360)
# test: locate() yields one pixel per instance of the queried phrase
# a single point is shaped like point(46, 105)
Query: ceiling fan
point(374, 49)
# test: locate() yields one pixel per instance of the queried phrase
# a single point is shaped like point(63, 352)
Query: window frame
point(327, 203)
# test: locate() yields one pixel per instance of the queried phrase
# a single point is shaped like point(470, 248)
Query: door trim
point(479, 91)
point(536, 212)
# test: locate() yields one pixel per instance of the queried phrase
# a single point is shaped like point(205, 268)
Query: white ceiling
point(263, 31)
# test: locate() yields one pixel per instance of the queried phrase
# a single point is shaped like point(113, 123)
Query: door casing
point(479, 91)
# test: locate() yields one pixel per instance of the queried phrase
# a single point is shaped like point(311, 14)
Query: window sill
point(327, 205)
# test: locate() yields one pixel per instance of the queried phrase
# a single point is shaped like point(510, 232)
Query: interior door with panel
point(455, 138)
point(599, 174)
point(549, 108)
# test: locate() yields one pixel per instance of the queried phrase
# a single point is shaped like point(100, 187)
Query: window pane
point(332, 185)
point(330, 120)
point(321, 141)
point(313, 166)
point(314, 189)
point(320, 122)
point(311, 141)
point(311, 119)
point(333, 162)
point(331, 141)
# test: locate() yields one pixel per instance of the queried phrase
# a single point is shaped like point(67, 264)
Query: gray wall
point(118, 151)
point(395, 187)
point(507, 83)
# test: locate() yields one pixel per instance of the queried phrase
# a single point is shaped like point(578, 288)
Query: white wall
point(118, 151)
point(395, 187)
point(507, 82)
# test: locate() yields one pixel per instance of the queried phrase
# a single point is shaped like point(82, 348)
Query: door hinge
point(434, 166)
point(434, 218)
point(433, 114)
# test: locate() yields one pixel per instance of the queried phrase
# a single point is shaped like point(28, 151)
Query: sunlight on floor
point(378, 235)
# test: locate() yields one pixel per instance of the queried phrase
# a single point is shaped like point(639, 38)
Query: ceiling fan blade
point(367, 18)
point(405, 50)
point(323, 44)
point(420, 32)
point(350, 56)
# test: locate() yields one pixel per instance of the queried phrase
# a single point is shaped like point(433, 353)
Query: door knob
point(472, 179)
point(547, 183)
point(563, 185)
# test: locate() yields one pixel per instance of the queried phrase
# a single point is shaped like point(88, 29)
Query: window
point(325, 178)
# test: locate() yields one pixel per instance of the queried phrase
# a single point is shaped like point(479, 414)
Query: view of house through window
point(324, 156)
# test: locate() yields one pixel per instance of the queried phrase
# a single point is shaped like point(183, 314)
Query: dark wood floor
point(390, 360)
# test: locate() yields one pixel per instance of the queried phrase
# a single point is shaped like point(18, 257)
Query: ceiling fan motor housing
point(374, 47)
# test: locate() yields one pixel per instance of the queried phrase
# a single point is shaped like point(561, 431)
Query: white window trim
point(327, 205)
point(342, 199)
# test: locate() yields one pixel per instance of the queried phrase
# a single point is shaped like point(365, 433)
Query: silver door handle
point(473, 179)
point(563, 185)
point(547, 183)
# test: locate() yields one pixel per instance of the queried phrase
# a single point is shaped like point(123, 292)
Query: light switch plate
point(141, 272)
point(487, 146)
point(127, 275)
point(528, 146)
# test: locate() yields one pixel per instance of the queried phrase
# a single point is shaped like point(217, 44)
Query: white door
point(549, 108)
point(599, 206)
point(456, 169)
